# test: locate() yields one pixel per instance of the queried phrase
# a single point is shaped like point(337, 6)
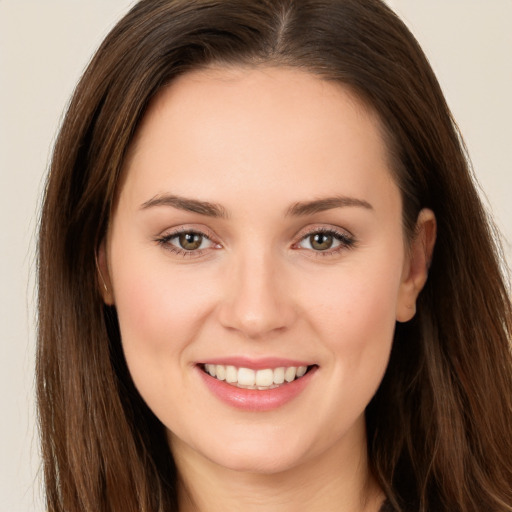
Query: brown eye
point(190, 241)
point(321, 241)
point(326, 241)
point(187, 243)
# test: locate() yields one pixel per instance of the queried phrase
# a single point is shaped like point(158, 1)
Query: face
point(257, 263)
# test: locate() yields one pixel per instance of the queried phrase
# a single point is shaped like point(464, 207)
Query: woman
point(266, 278)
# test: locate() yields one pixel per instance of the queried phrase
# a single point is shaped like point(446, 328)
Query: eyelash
point(165, 240)
point(346, 241)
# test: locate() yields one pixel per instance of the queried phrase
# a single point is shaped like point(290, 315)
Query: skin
point(256, 142)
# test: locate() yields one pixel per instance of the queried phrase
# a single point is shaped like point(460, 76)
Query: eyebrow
point(328, 203)
point(218, 211)
point(186, 204)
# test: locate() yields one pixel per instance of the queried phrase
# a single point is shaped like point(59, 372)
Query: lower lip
point(253, 399)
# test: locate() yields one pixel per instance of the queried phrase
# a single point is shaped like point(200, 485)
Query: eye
point(326, 241)
point(320, 241)
point(190, 241)
point(186, 242)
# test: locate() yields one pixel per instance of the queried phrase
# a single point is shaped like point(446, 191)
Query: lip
point(253, 399)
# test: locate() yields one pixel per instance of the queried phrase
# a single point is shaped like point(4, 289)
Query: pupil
point(190, 241)
point(321, 241)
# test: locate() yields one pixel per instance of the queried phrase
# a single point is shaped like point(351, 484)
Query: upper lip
point(256, 363)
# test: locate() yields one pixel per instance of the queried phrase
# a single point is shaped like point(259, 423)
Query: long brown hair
point(440, 425)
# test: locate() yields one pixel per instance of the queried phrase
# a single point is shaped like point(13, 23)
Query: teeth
point(255, 379)
point(231, 374)
point(220, 372)
point(264, 378)
point(279, 375)
point(301, 370)
point(246, 377)
point(290, 373)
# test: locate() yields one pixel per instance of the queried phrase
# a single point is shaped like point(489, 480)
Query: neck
point(337, 481)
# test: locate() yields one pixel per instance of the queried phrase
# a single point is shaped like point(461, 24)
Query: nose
point(258, 299)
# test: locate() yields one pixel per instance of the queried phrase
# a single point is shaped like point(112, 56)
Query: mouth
point(262, 380)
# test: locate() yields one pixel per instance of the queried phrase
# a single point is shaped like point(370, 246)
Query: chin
point(259, 455)
point(264, 462)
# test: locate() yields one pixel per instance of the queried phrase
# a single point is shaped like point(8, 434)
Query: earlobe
point(416, 265)
point(103, 276)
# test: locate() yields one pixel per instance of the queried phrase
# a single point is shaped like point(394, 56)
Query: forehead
point(254, 128)
point(239, 87)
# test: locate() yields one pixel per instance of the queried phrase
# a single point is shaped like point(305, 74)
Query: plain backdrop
point(44, 46)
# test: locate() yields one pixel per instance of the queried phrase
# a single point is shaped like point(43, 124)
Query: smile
point(256, 385)
point(247, 378)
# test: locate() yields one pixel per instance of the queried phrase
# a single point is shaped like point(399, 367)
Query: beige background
point(44, 46)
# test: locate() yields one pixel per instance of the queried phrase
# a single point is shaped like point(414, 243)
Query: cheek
point(159, 314)
point(360, 299)
point(162, 309)
point(158, 320)
point(355, 317)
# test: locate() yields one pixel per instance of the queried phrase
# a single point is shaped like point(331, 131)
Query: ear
point(104, 283)
point(416, 264)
